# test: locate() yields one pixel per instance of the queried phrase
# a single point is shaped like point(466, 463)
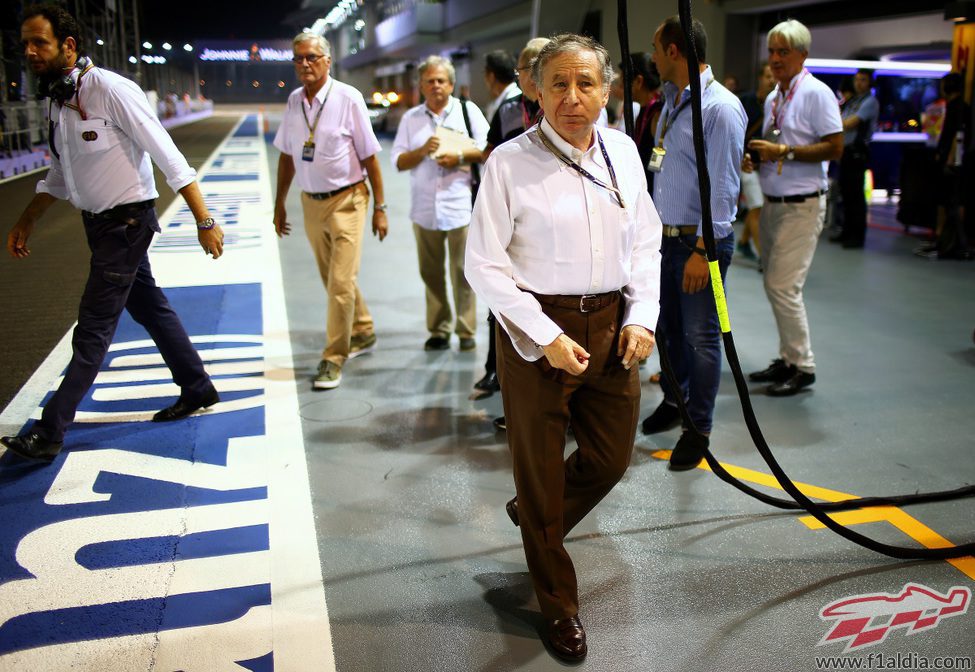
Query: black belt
point(328, 194)
point(122, 211)
point(797, 198)
point(584, 303)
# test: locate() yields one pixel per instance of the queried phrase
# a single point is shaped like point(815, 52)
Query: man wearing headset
point(102, 133)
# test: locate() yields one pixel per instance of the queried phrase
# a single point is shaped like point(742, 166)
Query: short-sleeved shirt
point(441, 197)
point(867, 109)
point(810, 115)
point(343, 136)
point(103, 160)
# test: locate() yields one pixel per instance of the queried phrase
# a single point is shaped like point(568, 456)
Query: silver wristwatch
point(206, 224)
point(381, 207)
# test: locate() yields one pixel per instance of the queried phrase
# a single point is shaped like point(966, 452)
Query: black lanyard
point(672, 116)
point(582, 171)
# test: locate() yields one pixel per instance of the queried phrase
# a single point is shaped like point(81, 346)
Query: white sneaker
point(329, 376)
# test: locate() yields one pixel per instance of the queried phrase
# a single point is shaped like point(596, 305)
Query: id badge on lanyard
point(656, 162)
point(308, 151)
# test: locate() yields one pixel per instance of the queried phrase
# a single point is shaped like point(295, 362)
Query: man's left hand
point(380, 224)
point(448, 161)
point(636, 343)
point(211, 240)
point(696, 274)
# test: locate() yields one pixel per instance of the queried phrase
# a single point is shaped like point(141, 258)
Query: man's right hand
point(281, 226)
point(17, 239)
point(564, 353)
point(430, 146)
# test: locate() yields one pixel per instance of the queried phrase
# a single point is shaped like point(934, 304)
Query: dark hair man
point(102, 135)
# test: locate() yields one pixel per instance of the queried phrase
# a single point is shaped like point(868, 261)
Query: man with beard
point(102, 133)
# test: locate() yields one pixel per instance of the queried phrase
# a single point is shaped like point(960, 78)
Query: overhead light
point(187, 47)
point(147, 45)
point(100, 42)
point(901, 68)
point(133, 60)
point(167, 46)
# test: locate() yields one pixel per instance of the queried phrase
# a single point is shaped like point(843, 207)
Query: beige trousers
point(430, 249)
point(334, 229)
point(788, 233)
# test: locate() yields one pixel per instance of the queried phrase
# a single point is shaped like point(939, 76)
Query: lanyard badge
point(308, 149)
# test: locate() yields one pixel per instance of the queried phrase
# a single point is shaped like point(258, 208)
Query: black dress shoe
point(512, 508)
point(688, 452)
point(662, 419)
point(500, 424)
point(32, 446)
point(796, 382)
point(489, 383)
point(184, 407)
point(567, 639)
point(776, 372)
point(437, 343)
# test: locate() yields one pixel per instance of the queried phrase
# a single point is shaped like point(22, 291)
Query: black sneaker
point(662, 419)
point(437, 343)
point(688, 452)
point(500, 424)
point(795, 383)
point(777, 372)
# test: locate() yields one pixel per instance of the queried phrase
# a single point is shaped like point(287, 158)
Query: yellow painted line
point(897, 517)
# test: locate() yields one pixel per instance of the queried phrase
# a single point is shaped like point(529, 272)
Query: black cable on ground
point(801, 502)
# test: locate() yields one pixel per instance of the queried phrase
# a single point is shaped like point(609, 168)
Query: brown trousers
point(334, 229)
point(603, 407)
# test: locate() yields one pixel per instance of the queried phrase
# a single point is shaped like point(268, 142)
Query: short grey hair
point(438, 62)
point(312, 37)
point(794, 33)
point(532, 48)
point(567, 43)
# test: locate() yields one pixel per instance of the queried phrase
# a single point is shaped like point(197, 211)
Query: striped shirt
point(675, 189)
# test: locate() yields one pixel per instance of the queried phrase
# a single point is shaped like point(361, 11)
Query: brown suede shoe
point(567, 639)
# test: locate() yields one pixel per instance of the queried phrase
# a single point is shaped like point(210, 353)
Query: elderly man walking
point(440, 184)
point(327, 143)
point(564, 247)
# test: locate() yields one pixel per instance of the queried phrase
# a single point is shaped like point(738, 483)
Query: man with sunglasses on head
point(327, 144)
point(102, 134)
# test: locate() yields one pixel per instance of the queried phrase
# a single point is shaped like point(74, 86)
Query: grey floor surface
point(423, 571)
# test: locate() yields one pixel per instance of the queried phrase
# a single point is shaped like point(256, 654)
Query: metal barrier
point(23, 137)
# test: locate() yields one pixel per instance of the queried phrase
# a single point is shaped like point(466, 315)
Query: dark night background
point(185, 20)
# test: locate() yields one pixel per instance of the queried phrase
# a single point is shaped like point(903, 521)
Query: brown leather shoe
point(567, 639)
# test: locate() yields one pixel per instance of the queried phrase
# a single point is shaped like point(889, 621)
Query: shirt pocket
point(94, 136)
point(333, 144)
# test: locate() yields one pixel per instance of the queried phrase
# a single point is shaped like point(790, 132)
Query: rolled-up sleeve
point(725, 131)
point(130, 110)
point(53, 183)
point(489, 270)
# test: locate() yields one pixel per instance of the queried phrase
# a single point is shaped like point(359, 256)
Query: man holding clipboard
point(438, 142)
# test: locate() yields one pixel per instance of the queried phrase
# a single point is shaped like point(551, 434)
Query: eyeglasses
point(311, 58)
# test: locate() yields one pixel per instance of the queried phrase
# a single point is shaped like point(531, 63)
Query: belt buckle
point(672, 231)
point(582, 303)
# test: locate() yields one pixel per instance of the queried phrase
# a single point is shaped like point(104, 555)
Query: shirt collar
point(670, 89)
point(792, 82)
point(442, 115)
point(322, 92)
point(567, 149)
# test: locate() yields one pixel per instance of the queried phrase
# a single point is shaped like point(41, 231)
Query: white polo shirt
point(441, 197)
point(811, 114)
point(539, 226)
point(343, 136)
point(104, 159)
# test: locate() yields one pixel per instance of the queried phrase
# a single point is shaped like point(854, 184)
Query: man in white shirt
point(801, 133)
point(440, 184)
point(499, 76)
point(565, 248)
point(102, 133)
point(327, 144)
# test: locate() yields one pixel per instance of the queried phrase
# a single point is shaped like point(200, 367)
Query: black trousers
point(853, 166)
point(120, 277)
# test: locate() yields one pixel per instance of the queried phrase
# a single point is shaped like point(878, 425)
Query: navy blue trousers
point(120, 277)
point(690, 326)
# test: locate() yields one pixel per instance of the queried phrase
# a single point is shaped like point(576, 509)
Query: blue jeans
point(690, 326)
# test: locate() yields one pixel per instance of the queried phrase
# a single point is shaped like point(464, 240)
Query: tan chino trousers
point(334, 227)
point(433, 259)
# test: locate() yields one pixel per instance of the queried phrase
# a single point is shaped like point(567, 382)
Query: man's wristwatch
point(790, 153)
point(206, 224)
point(460, 158)
point(381, 207)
